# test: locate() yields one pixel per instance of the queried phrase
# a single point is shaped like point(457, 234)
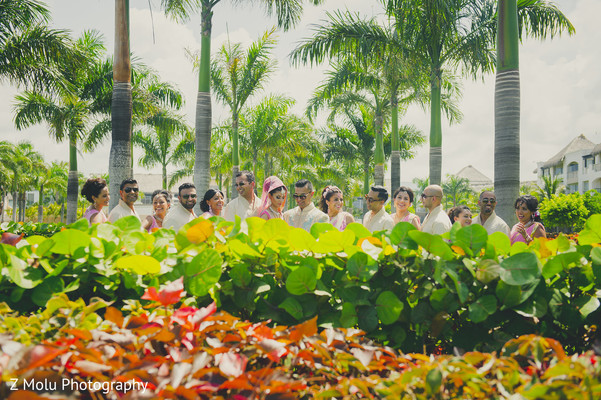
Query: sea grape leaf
point(140, 264)
point(203, 272)
point(302, 280)
point(482, 308)
point(70, 240)
point(348, 316)
point(591, 233)
point(433, 244)
point(559, 263)
point(362, 267)
point(520, 269)
point(292, 307)
point(388, 307)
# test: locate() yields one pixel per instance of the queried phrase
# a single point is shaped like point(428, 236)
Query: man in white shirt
point(377, 219)
point(183, 212)
point(305, 214)
point(488, 218)
point(437, 221)
point(128, 190)
point(247, 203)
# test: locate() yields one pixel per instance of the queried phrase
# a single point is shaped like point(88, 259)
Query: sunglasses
point(131, 189)
point(300, 196)
point(240, 184)
point(188, 196)
point(371, 200)
point(486, 201)
point(425, 196)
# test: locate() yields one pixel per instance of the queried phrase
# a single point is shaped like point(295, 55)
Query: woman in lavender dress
point(529, 223)
point(96, 192)
point(403, 199)
point(331, 203)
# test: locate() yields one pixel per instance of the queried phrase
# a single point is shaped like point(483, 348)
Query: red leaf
point(203, 313)
point(307, 328)
point(231, 364)
point(170, 294)
point(11, 239)
point(40, 355)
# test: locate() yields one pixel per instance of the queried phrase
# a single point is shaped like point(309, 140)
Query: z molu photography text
point(72, 385)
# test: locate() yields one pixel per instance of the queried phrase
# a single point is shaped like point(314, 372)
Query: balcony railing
point(572, 177)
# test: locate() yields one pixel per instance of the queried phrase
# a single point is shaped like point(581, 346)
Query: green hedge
point(407, 289)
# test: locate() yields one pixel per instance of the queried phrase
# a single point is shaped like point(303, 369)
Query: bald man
point(437, 221)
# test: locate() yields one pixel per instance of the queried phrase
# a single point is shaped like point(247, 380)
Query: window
point(585, 186)
point(572, 188)
point(573, 167)
point(559, 170)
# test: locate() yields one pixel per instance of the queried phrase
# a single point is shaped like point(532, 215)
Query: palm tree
point(29, 51)
point(52, 178)
point(65, 111)
point(236, 75)
point(551, 187)
point(166, 143)
point(539, 19)
point(456, 189)
point(288, 13)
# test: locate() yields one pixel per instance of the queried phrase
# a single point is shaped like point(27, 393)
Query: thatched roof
point(474, 176)
point(578, 144)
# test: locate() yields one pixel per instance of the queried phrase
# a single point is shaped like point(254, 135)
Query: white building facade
point(578, 165)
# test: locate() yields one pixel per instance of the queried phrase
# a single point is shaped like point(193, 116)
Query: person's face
point(465, 218)
point(487, 203)
point(160, 205)
point(216, 203)
point(243, 187)
point(129, 193)
point(303, 196)
point(428, 199)
point(402, 201)
point(103, 197)
point(335, 202)
point(523, 213)
point(277, 199)
point(374, 203)
point(187, 198)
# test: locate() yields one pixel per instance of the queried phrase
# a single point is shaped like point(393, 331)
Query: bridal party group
point(329, 207)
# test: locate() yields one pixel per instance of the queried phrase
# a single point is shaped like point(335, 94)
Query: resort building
point(578, 165)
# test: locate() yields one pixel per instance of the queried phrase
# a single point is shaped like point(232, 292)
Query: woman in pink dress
point(461, 214)
point(331, 203)
point(212, 203)
point(528, 226)
point(96, 192)
point(161, 201)
point(403, 199)
point(273, 198)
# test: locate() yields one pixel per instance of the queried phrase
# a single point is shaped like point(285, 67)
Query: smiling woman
point(529, 226)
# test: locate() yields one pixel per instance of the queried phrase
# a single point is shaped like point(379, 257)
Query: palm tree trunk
point(21, 204)
point(41, 204)
point(63, 212)
point(435, 129)
point(235, 153)
point(366, 186)
point(507, 111)
point(164, 176)
point(15, 201)
point(120, 156)
point(379, 152)
point(2, 208)
point(72, 182)
point(395, 156)
point(202, 141)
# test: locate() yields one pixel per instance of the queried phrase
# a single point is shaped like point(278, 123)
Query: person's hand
point(522, 231)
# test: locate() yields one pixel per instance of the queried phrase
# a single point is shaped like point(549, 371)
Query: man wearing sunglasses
point(247, 203)
point(377, 219)
point(437, 221)
point(305, 214)
point(128, 190)
point(488, 218)
point(183, 212)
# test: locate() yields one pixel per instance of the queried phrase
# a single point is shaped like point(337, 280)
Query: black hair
point(128, 181)
point(382, 192)
point(278, 189)
point(531, 203)
point(161, 192)
point(92, 187)
point(250, 177)
point(304, 182)
point(209, 194)
point(456, 211)
point(326, 195)
point(183, 186)
point(486, 191)
point(406, 190)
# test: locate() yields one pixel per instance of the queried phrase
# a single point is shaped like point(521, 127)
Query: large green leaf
point(596, 255)
point(482, 308)
point(301, 240)
point(333, 241)
point(240, 275)
point(586, 304)
point(22, 274)
point(399, 235)
point(292, 307)
point(139, 264)
point(487, 271)
point(47, 289)
point(560, 263)
point(302, 280)
point(433, 244)
point(361, 266)
point(592, 231)
point(389, 307)
point(472, 236)
point(511, 295)
point(348, 316)
point(359, 230)
point(320, 228)
point(69, 241)
point(535, 307)
point(520, 269)
point(129, 223)
point(203, 272)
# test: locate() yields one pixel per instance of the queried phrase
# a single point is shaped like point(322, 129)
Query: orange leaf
point(170, 294)
point(114, 315)
point(164, 336)
point(25, 395)
point(40, 355)
point(11, 238)
point(200, 232)
point(240, 383)
point(307, 328)
point(458, 250)
point(79, 333)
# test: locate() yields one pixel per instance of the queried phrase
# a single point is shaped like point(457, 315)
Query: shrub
point(565, 212)
point(592, 202)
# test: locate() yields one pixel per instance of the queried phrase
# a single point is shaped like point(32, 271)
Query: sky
point(560, 83)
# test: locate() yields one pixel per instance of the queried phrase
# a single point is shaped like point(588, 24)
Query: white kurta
point(437, 222)
point(242, 208)
point(177, 217)
point(379, 221)
point(306, 217)
point(493, 224)
point(121, 210)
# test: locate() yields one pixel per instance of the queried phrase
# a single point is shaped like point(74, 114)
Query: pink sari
point(271, 183)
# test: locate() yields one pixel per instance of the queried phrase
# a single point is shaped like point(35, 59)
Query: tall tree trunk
point(435, 128)
point(366, 186)
point(395, 156)
point(21, 203)
point(120, 164)
point(202, 141)
point(72, 182)
point(164, 172)
point(235, 153)
point(379, 151)
point(41, 204)
point(3, 208)
point(507, 111)
point(15, 207)
point(63, 212)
